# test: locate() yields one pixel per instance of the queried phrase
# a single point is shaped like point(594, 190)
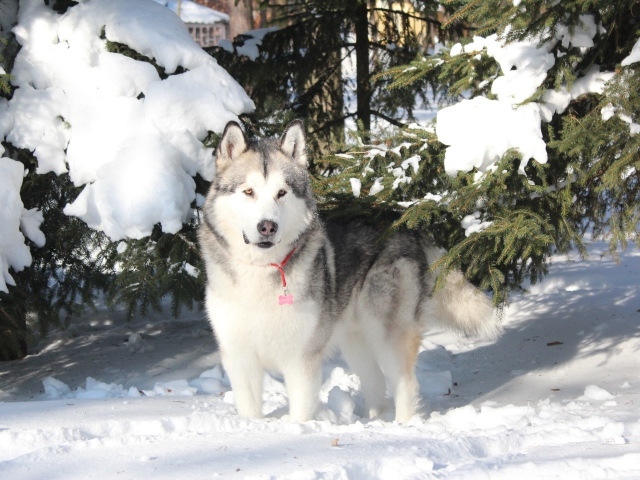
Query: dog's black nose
point(267, 228)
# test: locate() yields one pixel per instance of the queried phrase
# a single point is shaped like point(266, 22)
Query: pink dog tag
point(285, 299)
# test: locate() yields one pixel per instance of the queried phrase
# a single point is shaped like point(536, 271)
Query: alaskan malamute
point(283, 287)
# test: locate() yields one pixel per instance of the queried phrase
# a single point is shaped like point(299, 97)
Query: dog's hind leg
point(303, 380)
point(247, 376)
point(387, 312)
point(398, 360)
point(358, 354)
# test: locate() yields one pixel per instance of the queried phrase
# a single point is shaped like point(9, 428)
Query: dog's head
point(261, 200)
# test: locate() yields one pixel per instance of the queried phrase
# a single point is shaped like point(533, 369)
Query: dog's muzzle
point(266, 230)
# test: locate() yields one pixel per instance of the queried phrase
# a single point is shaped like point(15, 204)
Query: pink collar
point(280, 266)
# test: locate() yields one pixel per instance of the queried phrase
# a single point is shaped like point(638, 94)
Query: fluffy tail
point(461, 307)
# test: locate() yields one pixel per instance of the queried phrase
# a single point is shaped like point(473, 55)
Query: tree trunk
point(240, 17)
point(363, 84)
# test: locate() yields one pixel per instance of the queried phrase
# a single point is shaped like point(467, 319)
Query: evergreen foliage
point(591, 179)
point(299, 71)
point(78, 266)
point(66, 274)
point(159, 266)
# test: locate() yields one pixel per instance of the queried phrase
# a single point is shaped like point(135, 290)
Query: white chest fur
point(246, 315)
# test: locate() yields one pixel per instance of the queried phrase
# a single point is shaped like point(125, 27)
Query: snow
point(165, 198)
point(356, 186)
point(555, 397)
point(558, 100)
point(192, 12)
point(133, 139)
point(633, 57)
point(30, 222)
point(473, 224)
point(13, 251)
point(609, 111)
point(413, 161)
point(110, 120)
point(251, 42)
point(480, 131)
point(524, 65)
point(377, 186)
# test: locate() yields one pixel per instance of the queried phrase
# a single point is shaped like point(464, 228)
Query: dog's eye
point(281, 193)
point(248, 192)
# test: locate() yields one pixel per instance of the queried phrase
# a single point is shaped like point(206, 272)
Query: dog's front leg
point(303, 380)
point(246, 375)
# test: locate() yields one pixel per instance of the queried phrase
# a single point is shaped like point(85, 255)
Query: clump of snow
point(110, 120)
point(633, 57)
point(175, 387)
point(399, 174)
point(15, 222)
point(433, 197)
point(524, 65)
point(117, 205)
point(122, 247)
point(377, 186)
point(556, 101)
point(397, 150)
point(413, 161)
point(341, 398)
point(473, 224)
point(434, 370)
point(30, 222)
point(456, 49)
point(250, 43)
point(480, 131)
point(608, 111)
point(582, 35)
point(137, 344)
point(191, 270)
point(55, 389)
point(213, 381)
point(356, 186)
point(192, 12)
point(341, 404)
point(634, 128)
point(593, 392)
point(374, 152)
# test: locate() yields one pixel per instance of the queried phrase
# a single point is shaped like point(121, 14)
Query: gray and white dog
point(284, 288)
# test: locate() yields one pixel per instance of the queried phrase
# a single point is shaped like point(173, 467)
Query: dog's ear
point(294, 144)
point(232, 144)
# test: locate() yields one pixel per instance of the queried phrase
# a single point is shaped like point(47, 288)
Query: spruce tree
point(79, 266)
point(298, 70)
point(525, 210)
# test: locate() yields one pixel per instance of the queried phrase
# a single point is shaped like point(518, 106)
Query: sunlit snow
point(134, 139)
point(480, 131)
point(555, 397)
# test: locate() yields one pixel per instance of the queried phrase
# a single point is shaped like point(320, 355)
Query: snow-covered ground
point(557, 396)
